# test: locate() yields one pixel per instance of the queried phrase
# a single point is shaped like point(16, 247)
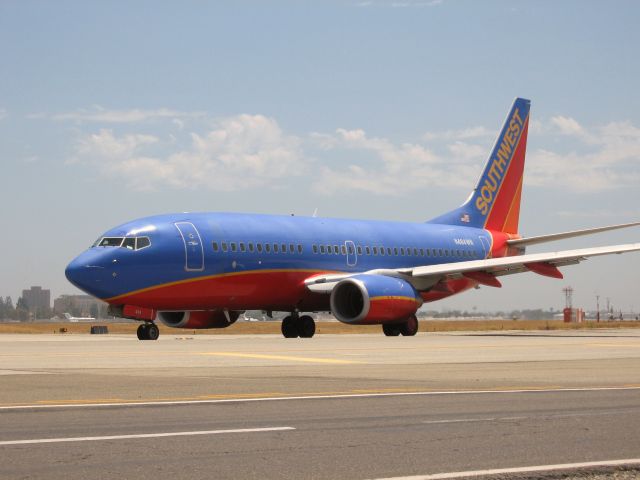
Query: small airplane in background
point(77, 319)
point(202, 270)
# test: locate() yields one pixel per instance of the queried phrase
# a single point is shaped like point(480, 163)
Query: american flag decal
point(465, 218)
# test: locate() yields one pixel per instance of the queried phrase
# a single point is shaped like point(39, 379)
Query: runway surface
point(344, 406)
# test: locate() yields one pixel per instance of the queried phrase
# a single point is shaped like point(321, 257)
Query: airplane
point(202, 270)
point(71, 318)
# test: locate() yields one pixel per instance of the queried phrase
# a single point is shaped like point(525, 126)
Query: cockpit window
point(111, 242)
point(142, 242)
point(130, 243)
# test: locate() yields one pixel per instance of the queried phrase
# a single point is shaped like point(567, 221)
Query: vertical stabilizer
point(494, 203)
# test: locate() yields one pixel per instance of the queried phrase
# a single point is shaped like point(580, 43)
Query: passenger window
point(283, 248)
point(408, 251)
point(375, 250)
point(259, 247)
point(234, 247)
point(422, 252)
point(250, 245)
point(242, 247)
point(415, 252)
point(215, 246)
point(275, 248)
point(142, 242)
point(267, 247)
point(368, 250)
point(343, 249)
point(130, 243)
point(300, 249)
point(336, 250)
point(446, 253)
point(439, 252)
point(292, 248)
point(350, 249)
point(321, 248)
point(381, 250)
point(224, 247)
point(395, 251)
point(314, 248)
point(402, 251)
point(359, 250)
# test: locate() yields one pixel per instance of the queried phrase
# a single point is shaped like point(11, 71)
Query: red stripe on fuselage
point(281, 290)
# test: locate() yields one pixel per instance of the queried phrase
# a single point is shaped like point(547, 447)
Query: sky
point(111, 111)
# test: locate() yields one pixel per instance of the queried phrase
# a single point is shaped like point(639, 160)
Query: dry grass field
point(321, 327)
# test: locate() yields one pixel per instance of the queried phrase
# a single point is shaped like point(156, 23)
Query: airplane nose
point(85, 273)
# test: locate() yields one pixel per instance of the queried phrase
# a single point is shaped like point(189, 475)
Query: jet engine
point(197, 319)
point(374, 299)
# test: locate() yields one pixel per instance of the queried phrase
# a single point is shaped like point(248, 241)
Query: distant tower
point(568, 304)
point(568, 297)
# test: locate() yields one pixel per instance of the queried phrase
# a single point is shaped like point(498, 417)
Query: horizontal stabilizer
point(525, 242)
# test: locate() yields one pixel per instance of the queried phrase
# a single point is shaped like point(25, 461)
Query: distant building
point(78, 306)
point(36, 298)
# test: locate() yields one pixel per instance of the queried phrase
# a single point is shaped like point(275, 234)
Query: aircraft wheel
point(410, 327)
point(289, 327)
point(153, 332)
point(391, 329)
point(142, 332)
point(306, 326)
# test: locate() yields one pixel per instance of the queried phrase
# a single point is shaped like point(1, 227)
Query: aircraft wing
point(483, 271)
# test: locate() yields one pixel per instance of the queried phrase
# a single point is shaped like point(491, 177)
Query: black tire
point(306, 326)
point(391, 329)
point(410, 327)
point(289, 327)
point(142, 332)
point(153, 332)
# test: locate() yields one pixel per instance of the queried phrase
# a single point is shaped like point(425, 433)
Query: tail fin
point(494, 203)
point(67, 316)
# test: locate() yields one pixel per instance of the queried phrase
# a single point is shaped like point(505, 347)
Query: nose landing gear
point(148, 331)
point(294, 326)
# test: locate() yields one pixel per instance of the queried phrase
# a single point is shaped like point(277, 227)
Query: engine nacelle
point(374, 299)
point(198, 319)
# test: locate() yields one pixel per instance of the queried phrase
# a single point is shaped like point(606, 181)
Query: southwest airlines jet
point(202, 270)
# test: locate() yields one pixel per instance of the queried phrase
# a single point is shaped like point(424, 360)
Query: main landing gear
point(294, 326)
point(408, 328)
point(148, 331)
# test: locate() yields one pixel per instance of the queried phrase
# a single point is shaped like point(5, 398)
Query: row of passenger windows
point(291, 248)
point(392, 251)
point(250, 247)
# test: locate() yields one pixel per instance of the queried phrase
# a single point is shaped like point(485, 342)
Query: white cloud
point(567, 125)
point(463, 134)
point(393, 169)
point(103, 115)
point(242, 152)
point(604, 158)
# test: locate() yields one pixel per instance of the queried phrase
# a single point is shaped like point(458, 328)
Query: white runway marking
point(160, 403)
point(143, 435)
point(538, 468)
